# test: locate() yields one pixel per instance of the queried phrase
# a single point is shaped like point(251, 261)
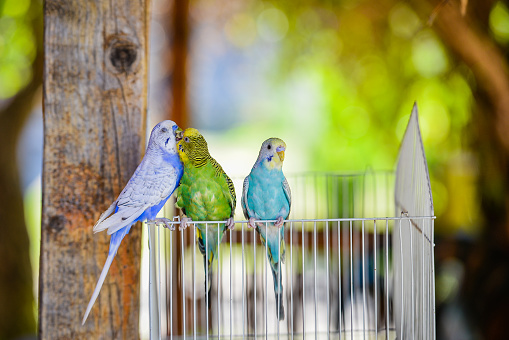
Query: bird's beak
point(178, 134)
point(281, 152)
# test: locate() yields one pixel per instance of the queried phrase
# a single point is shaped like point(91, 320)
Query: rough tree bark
point(95, 102)
point(16, 283)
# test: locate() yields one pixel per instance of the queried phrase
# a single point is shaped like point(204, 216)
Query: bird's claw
point(251, 223)
point(230, 223)
point(279, 222)
point(184, 221)
point(165, 222)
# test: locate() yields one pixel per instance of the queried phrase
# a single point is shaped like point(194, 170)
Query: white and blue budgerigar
point(153, 182)
point(266, 196)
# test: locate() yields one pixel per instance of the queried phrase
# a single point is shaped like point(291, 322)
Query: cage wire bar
point(347, 272)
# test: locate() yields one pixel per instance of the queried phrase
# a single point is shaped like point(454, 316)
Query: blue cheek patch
point(270, 158)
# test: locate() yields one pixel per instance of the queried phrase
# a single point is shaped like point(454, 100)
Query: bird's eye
point(164, 130)
point(269, 147)
point(186, 139)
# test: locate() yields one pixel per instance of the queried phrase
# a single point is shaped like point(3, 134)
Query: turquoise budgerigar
point(153, 182)
point(206, 193)
point(266, 196)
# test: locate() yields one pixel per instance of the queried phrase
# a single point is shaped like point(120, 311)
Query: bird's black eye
point(186, 139)
point(269, 147)
point(164, 130)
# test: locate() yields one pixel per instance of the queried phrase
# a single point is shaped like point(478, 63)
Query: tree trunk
point(95, 102)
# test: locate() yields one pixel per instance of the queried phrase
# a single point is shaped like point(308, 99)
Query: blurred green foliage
point(356, 68)
point(32, 206)
point(17, 46)
point(499, 22)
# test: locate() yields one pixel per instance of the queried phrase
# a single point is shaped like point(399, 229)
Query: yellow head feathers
point(193, 148)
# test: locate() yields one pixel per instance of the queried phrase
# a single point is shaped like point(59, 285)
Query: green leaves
point(17, 47)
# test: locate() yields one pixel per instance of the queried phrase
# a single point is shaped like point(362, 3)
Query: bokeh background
point(336, 80)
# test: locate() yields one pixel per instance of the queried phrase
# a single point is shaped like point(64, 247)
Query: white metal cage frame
point(348, 273)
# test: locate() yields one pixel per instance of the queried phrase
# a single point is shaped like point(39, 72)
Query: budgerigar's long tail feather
point(115, 241)
point(278, 291)
point(208, 279)
point(201, 245)
point(211, 249)
point(279, 302)
point(275, 267)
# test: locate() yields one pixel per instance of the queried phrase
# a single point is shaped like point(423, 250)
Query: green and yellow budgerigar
point(205, 193)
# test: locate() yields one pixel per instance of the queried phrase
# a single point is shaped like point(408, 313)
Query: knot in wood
point(122, 54)
point(57, 223)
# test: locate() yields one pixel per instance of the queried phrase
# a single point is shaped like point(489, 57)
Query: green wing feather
point(230, 192)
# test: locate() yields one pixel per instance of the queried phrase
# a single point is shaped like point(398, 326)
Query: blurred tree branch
point(178, 36)
point(177, 26)
point(16, 282)
point(473, 46)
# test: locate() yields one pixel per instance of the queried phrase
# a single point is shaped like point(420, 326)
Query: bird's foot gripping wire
point(230, 223)
point(184, 222)
point(251, 223)
point(165, 222)
point(279, 222)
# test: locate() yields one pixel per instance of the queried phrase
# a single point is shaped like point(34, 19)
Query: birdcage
point(359, 263)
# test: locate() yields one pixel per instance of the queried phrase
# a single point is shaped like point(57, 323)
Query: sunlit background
point(336, 81)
